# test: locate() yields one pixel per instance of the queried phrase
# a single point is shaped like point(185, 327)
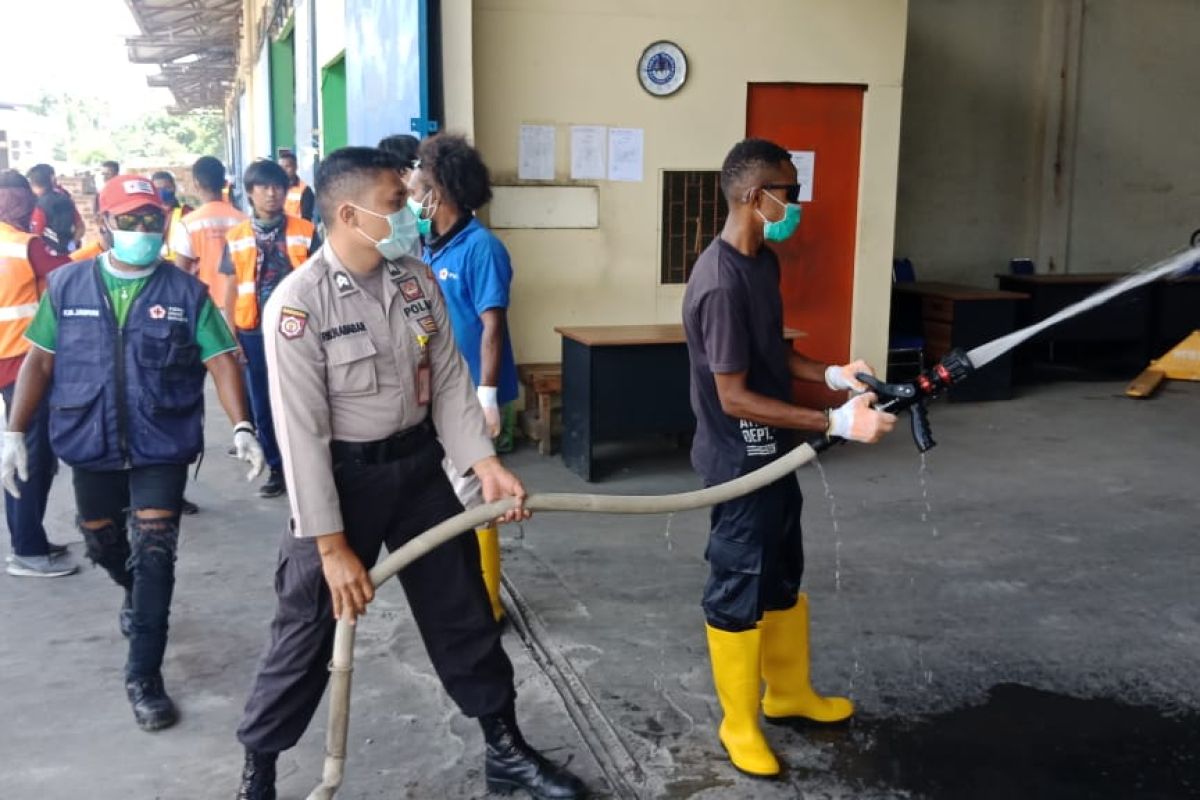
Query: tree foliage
point(86, 137)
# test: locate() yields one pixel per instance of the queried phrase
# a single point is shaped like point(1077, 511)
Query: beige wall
point(1062, 130)
point(565, 62)
point(458, 78)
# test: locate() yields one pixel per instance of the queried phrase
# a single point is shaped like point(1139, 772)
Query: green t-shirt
point(212, 334)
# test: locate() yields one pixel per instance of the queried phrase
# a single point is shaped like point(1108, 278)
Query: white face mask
point(402, 240)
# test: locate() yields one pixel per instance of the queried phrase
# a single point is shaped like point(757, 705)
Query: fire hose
point(893, 397)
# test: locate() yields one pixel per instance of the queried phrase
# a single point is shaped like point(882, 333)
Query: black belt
point(395, 447)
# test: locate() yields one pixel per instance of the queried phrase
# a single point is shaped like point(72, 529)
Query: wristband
point(246, 426)
point(487, 396)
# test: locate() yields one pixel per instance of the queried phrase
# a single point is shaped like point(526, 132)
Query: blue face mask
point(424, 226)
point(168, 197)
point(136, 248)
point(402, 240)
point(781, 229)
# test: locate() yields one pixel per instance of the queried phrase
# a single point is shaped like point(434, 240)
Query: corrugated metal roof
point(195, 44)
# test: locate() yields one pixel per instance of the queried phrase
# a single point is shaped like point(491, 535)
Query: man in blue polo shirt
point(474, 273)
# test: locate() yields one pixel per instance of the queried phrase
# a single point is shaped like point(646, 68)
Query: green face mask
point(424, 226)
point(781, 229)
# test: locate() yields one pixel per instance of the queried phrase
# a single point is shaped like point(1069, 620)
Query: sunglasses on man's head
point(792, 189)
point(152, 221)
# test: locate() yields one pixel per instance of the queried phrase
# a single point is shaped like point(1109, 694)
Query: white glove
point(14, 462)
point(857, 421)
point(491, 409)
point(844, 378)
point(248, 449)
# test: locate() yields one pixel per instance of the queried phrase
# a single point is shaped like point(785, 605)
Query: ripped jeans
point(130, 525)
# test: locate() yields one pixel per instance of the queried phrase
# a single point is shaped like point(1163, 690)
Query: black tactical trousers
point(382, 504)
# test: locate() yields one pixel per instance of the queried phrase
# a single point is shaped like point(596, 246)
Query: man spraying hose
point(742, 373)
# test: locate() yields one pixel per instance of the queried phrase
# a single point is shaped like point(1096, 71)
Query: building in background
point(26, 138)
point(604, 125)
point(1049, 129)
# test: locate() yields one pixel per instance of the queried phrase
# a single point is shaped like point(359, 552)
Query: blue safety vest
point(128, 397)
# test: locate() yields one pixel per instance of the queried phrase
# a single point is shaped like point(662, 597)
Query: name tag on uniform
point(424, 383)
point(424, 376)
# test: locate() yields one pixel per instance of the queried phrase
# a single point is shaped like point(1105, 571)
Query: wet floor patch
point(1022, 743)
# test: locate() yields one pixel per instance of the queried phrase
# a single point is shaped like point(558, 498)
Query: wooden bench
point(543, 383)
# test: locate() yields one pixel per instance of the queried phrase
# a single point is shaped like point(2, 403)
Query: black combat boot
point(258, 777)
point(152, 709)
point(274, 486)
point(511, 764)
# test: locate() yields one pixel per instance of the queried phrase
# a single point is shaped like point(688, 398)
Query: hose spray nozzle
point(953, 369)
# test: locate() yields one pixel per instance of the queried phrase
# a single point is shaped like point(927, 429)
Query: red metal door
point(818, 261)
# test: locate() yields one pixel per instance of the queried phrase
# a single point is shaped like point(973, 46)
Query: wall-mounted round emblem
point(662, 69)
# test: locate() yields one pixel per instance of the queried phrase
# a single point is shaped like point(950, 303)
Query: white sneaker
point(56, 550)
point(40, 567)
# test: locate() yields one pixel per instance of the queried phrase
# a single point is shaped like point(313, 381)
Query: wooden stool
point(542, 382)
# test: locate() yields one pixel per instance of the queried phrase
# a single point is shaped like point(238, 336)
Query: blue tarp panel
point(383, 68)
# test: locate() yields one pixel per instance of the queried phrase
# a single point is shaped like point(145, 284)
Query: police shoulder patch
point(292, 322)
point(411, 290)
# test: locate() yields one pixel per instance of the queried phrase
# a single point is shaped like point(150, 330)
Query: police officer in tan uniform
point(365, 380)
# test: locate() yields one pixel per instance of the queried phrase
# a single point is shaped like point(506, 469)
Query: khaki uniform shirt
point(341, 367)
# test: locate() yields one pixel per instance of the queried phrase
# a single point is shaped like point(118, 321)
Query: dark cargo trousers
point(755, 556)
point(382, 503)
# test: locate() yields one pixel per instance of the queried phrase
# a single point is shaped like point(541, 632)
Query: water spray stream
point(986, 353)
point(954, 368)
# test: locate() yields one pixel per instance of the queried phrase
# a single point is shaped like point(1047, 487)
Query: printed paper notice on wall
point(587, 152)
point(805, 162)
point(535, 157)
point(625, 154)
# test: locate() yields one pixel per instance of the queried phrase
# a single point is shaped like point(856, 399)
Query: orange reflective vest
point(168, 252)
point(88, 251)
point(19, 291)
point(295, 195)
point(243, 252)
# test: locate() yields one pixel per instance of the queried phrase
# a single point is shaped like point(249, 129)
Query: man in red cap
point(121, 344)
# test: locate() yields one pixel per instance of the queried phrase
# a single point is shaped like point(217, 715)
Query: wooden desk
point(623, 381)
point(1176, 312)
point(953, 316)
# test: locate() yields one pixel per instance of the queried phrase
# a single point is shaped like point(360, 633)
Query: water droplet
point(923, 479)
point(837, 537)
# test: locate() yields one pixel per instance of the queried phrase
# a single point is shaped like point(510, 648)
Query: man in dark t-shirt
point(741, 378)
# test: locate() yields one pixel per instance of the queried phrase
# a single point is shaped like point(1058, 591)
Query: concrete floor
point(1046, 559)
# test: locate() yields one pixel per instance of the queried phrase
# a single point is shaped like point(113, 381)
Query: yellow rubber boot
point(489, 556)
point(785, 670)
point(735, 665)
